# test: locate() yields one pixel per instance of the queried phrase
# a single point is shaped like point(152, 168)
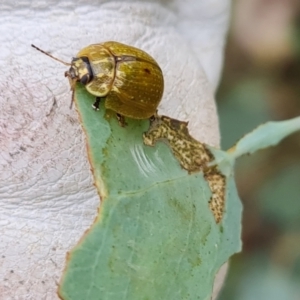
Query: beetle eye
point(85, 79)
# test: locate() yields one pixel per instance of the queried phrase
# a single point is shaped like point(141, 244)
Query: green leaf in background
point(155, 236)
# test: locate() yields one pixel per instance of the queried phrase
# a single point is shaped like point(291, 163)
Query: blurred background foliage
point(261, 82)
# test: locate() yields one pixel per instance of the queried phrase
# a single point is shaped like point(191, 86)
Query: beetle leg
point(121, 120)
point(96, 103)
point(152, 119)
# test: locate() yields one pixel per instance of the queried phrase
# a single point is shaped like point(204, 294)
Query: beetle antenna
point(37, 48)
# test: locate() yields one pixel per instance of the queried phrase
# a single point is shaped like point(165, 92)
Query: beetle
point(127, 78)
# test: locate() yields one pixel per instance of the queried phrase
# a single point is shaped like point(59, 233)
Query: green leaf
point(266, 135)
point(162, 232)
point(155, 236)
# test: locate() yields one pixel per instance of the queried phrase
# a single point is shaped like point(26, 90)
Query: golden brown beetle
point(129, 79)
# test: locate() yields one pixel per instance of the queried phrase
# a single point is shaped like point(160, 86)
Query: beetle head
point(80, 71)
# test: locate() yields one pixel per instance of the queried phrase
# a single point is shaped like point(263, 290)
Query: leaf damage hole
point(192, 155)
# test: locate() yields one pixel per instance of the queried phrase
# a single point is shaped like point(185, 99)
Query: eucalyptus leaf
point(155, 236)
